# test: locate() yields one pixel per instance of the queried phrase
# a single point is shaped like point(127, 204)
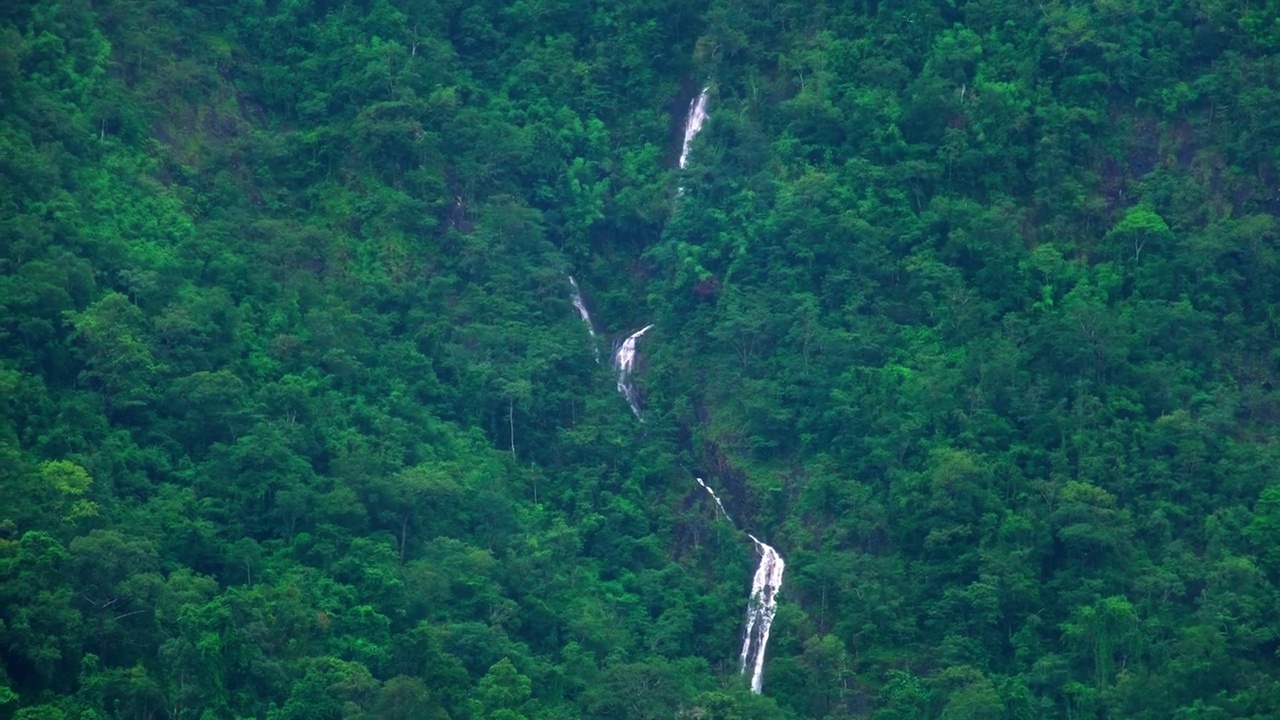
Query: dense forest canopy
point(970, 307)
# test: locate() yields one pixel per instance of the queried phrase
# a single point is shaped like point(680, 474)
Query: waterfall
point(625, 362)
point(625, 359)
point(762, 604)
point(717, 499)
point(693, 123)
point(760, 610)
point(586, 316)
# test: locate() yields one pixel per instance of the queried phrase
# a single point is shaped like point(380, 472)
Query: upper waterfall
point(693, 123)
point(586, 316)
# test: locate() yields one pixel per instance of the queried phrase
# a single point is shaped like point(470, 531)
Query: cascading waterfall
point(760, 611)
point(625, 361)
point(586, 316)
point(766, 583)
point(763, 604)
point(693, 123)
point(719, 504)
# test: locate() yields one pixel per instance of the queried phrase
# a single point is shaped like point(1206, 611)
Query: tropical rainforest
point(970, 308)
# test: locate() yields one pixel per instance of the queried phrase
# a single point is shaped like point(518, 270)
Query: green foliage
point(969, 308)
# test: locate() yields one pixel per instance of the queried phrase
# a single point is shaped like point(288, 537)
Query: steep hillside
point(981, 303)
point(968, 309)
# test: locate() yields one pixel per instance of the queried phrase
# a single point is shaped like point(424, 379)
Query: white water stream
point(720, 505)
point(760, 610)
point(625, 361)
point(693, 123)
point(586, 316)
point(763, 602)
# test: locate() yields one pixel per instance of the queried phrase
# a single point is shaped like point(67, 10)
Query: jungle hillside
point(969, 308)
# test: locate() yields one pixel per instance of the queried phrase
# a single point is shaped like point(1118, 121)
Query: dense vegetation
point(969, 307)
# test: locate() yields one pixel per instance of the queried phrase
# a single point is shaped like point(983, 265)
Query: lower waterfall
point(625, 361)
point(762, 604)
point(760, 611)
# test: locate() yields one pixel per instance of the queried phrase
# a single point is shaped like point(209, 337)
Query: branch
point(135, 612)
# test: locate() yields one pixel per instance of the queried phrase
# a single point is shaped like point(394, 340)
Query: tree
point(503, 693)
point(406, 698)
point(331, 689)
point(115, 345)
point(42, 623)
